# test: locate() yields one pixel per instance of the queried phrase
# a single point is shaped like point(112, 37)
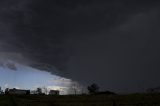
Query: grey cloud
point(125, 58)
point(79, 36)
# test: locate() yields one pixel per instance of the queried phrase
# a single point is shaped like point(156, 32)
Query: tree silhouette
point(39, 90)
point(1, 91)
point(6, 91)
point(45, 90)
point(28, 92)
point(93, 88)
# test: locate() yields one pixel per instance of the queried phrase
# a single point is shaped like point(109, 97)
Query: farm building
point(54, 92)
point(18, 92)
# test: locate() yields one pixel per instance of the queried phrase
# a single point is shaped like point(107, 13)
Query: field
point(85, 100)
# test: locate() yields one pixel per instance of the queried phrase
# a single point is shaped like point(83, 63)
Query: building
point(54, 92)
point(18, 92)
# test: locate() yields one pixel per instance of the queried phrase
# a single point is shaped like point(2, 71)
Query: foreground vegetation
point(83, 100)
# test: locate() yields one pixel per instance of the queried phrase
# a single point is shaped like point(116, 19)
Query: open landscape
point(79, 52)
point(81, 100)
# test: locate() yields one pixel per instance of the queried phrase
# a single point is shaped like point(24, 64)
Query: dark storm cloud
point(83, 37)
point(125, 58)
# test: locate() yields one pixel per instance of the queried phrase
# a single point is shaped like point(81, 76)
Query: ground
point(85, 100)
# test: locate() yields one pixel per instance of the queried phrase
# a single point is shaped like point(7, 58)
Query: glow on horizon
point(29, 78)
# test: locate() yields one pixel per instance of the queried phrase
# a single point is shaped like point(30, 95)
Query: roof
point(54, 91)
point(17, 90)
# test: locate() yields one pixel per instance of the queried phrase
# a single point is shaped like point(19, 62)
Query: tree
point(45, 90)
point(6, 91)
point(39, 91)
point(34, 92)
point(28, 92)
point(76, 88)
point(93, 88)
point(1, 91)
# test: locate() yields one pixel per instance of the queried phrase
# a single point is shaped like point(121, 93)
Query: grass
point(85, 100)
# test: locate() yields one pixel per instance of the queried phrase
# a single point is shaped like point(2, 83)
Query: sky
point(112, 43)
point(25, 77)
